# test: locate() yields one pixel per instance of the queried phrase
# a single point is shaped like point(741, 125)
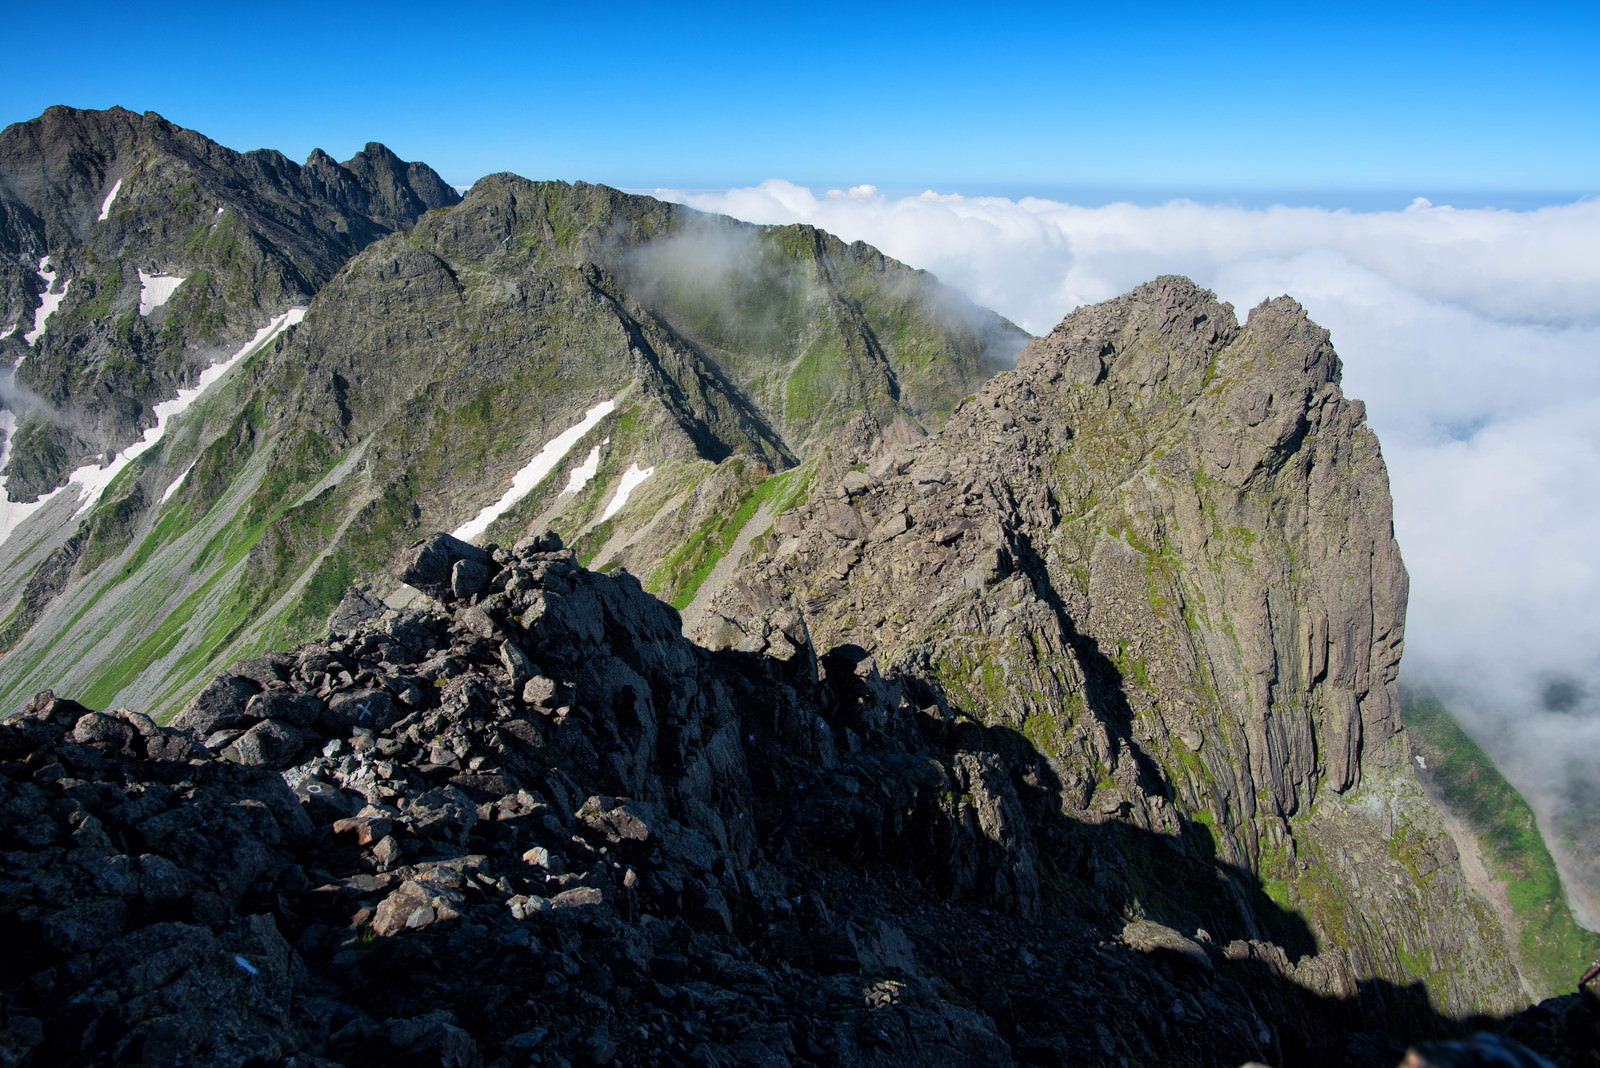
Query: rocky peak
point(53, 167)
point(1155, 432)
point(1161, 551)
point(114, 199)
point(380, 185)
point(1163, 331)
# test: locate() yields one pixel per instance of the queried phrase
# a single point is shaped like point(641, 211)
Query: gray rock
point(263, 670)
point(435, 1036)
point(1148, 936)
point(84, 925)
point(108, 732)
point(481, 622)
point(269, 744)
point(356, 608)
point(161, 882)
point(540, 692)
point(469, 577)
point(444, 813)
point(368, 709)
point(622, 822)
point(578, 897)
point(295, 709)
point(518, 667)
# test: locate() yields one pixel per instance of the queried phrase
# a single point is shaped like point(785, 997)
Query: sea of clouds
point(1472, 334)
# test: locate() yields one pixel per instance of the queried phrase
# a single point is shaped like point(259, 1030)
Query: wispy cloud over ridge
point(1473, 336)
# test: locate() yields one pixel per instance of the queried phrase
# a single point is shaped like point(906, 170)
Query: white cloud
point(1025, 257)
point(855, 192)
point(1473, 336)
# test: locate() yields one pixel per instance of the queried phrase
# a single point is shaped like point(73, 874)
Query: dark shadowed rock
point(220, 706)
point(429, 565)
point(355, 608)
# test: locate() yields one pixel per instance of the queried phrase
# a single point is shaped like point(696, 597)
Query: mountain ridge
point(527, 822)
point(1104, 645)
point(443, 350)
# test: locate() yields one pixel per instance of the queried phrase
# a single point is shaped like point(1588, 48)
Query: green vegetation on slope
point(682, 573)
point(1552, 949)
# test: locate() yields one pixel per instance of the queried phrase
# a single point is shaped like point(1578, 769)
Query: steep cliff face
point(1161, 551)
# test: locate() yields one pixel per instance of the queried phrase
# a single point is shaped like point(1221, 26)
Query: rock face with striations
point(1160, 554)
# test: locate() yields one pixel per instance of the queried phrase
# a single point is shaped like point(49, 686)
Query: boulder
point(219, 706)
point(429, 564)
point(269, 744)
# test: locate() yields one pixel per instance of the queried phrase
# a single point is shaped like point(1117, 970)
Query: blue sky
point(1060, 99)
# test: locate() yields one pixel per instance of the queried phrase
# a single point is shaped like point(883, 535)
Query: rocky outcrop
point(1161, 552)
point(532, 824)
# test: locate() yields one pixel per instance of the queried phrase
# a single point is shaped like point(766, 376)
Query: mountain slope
point(425, 372)
point(169, 249)
point(1517, 872)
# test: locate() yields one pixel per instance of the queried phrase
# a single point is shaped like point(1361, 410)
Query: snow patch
point(632, 479)
point(111, 197)
point(170, 490)
point(585, 471)
point(92, 481)
point(48, 302)
point(155, 290)
point(543, 462)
